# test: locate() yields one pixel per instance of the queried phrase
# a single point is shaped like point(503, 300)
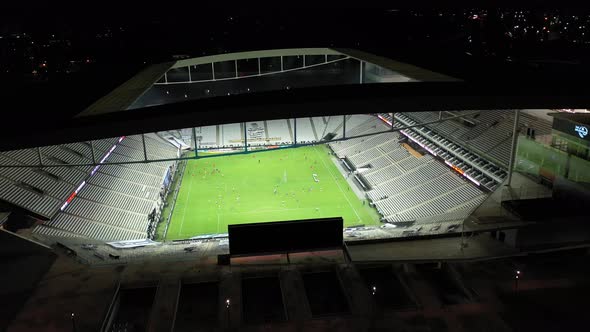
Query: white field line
point(335, 180)
point(185, 203)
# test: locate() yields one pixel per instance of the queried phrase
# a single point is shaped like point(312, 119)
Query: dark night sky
point(154, 31)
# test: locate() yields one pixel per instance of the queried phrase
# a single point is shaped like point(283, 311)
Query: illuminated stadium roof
point(255, 71)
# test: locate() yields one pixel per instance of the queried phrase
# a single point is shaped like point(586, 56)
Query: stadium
point(181, 182)
point(362, 167)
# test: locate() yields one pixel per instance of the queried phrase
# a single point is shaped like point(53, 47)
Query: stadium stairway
point(405, 187)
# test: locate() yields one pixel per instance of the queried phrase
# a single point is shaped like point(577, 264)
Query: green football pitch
point(260, 187)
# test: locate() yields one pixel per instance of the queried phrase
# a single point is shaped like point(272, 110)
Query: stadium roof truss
point(254, 64)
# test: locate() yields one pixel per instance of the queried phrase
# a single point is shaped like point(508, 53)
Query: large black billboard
point(579, 130)
point(285, 236)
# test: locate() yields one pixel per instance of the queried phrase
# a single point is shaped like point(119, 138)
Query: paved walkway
point(479, 247)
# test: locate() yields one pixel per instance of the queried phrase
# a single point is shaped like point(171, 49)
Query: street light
point(227, 304)
point(73, 322)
